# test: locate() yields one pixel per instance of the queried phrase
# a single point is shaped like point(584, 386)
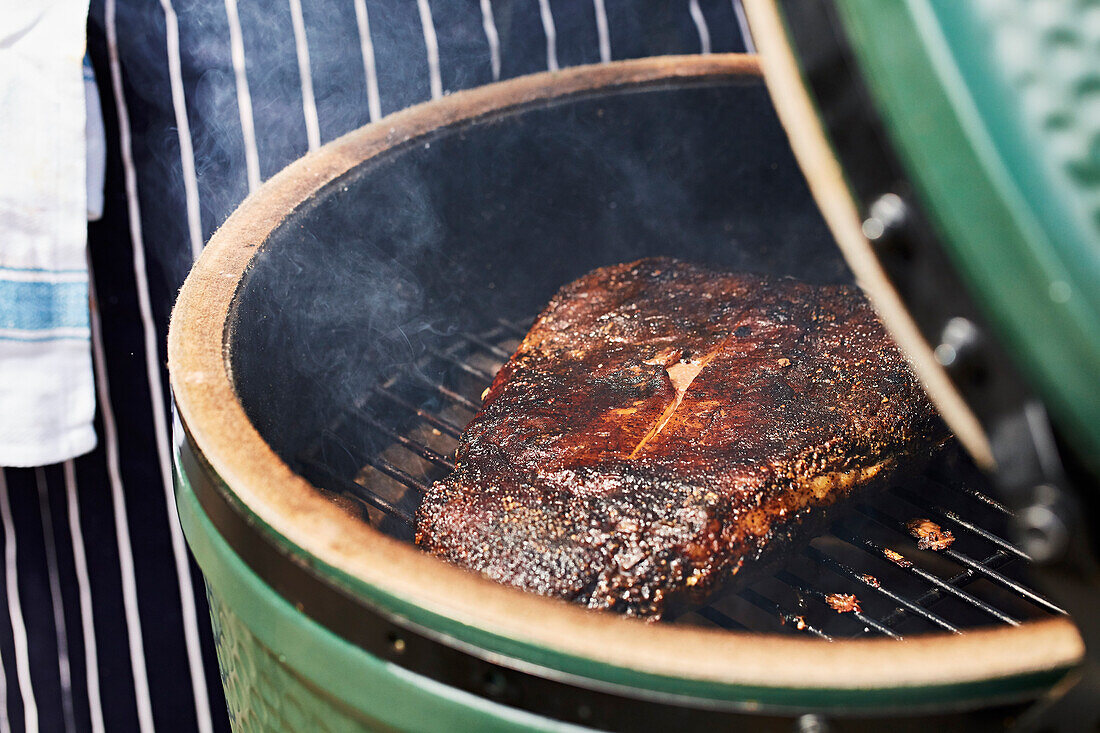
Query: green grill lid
point(975, 125)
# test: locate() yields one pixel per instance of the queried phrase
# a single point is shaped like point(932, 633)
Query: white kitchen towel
point(47, 397)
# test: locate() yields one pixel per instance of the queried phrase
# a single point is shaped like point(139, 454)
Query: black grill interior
point(374, 316)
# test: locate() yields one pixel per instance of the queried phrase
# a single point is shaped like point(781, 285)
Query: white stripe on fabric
point(84, 588)
point(5, 725)
point(244, 97)
point(431, 44)
point(54, 576)
point(603, 31)
point(129, 579)
point(490, 26)
point(701, 26)
point(156, 390)
point(374, 103)
point(743, 24)
point(183, 127)
point(15, 611)
point(305, 75)
point(551, 35)
point(122, 529)
point(95, 171)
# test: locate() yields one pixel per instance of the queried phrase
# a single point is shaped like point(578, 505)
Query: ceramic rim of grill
point(280, 510)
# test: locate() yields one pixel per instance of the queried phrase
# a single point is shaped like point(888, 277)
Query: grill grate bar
point(932, 595)
point(914, 608)
point(362, 493)
point(416, 447)
point(802, 587)
point(397, 474)
point(721, 619)
point(432, 419)
point(455, 396)
point(954, 518)
point(983, 498)
point(1003, 581)
point(486, 345)
point(473, 371)
point(785, 617)
point(888, 521)
point(509, 325)
point(984, 534)
point(873, 548)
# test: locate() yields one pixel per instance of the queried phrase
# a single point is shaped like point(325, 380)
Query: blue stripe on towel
point(44, 270)
point(45, 336)
point(40, 306)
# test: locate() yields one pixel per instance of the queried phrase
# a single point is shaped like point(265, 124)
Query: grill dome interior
point(489, 219)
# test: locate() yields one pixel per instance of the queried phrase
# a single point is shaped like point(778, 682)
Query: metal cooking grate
point(381, 455)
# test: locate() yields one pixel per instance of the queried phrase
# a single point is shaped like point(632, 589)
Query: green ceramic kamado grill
point(337, 333)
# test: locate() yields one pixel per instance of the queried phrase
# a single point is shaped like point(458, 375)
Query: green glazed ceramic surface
point(994, 109)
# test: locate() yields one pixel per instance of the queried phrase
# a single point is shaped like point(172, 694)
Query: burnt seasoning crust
point(664, 426)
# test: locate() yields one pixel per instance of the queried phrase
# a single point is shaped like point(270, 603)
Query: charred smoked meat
point(664, 426)
point(929, 535)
